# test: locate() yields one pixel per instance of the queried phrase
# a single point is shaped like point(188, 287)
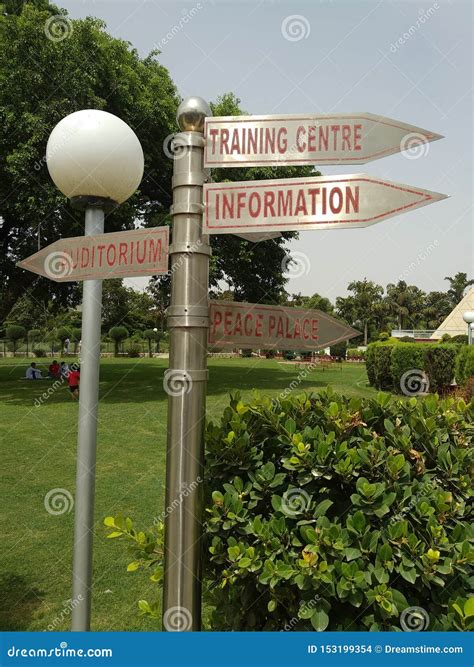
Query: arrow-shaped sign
point(138, 252)
point(321, 202)
point(357, 138)
point(253, 325)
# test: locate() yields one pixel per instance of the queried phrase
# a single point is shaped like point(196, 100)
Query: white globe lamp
point(468, 317)
point(94, 155)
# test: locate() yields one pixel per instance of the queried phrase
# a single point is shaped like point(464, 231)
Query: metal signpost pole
point(87, 436)
point(185, 380)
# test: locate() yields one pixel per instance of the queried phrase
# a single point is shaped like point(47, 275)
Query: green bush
point(118, 335)
point(338, 350)
point(40, 352)
point(289, 355)
point(407, 361)
point(440, 365)
point(325, 512)
point(370, 363)
point(460, 338)
point(460, 364)
point(382, 366)
point(355, 354)
point(15, 333)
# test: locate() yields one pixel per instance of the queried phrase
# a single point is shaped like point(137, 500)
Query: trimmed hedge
point(464, 367)
point(432, 366)
point(330, 513)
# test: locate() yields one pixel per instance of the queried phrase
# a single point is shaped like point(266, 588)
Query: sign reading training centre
point(320, 202)
point(250, 325)
point(139, 252)
point(307, 139)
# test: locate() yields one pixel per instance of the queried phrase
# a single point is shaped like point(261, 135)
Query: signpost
point(251, 141)
point(139, 252)
point(253, 325)
point(96, 160)
point(320, 202)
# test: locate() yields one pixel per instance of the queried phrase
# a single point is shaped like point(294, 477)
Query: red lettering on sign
point(154, 252)
point(141, 259)
point(228, 323)
point(357, 137)
point(258, 325)
point(111, 254)
point(122, 253)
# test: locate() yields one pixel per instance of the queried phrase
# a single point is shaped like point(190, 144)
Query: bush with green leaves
point(338, 350)
point(329, 513)
point(15, 333)
point(118, 335)
point(464, 367)
point(383, 366)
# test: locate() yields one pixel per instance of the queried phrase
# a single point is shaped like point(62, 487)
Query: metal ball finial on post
point(186, 377)
point(468, 317)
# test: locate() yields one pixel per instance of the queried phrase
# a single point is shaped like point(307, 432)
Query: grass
point(38, 454)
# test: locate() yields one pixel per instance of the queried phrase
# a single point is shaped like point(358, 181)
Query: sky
point(411, 61)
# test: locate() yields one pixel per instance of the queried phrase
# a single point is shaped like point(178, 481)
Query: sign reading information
point(236, 141)
point(250, 325)
point(139, 252)
point(320, 202)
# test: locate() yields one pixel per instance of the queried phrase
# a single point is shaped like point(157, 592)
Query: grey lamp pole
point(87, 436)
point(185, 380)
point(96, 160)
point(468, 317)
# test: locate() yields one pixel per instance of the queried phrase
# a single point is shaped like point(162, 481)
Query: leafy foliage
point(324, 512)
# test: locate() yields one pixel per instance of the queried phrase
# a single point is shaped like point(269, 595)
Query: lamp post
point(185, 380)
point(96, 160)
point(468, 317)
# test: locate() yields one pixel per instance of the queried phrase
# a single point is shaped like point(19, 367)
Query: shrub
point(325, 512)
point(383, 335)
point(118, 335)
point(15, 333)
point(269, 354)
point(382, 366)
point(460, 338)
point(40, 352)
point(246, 354)
point(134, 349)
point(439, 365)
point(404, 359)
point(289, 355)
point(355, 354)
point(338, 350)
point(460, 364)
point(370, 363)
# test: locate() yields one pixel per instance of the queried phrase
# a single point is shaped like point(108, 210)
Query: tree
point(361, 306)
point(41, 81)
point(457, 286)
point(14, 333)
point(255, 272)
point(118, 335)
point(436, 308)
point(150, 335)
point(316, 302)
point(405, 302)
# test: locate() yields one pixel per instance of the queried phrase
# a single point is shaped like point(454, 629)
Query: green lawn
point(38, 450)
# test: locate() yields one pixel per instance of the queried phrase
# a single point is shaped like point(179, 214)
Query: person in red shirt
point(73, 380)
point(54, 370)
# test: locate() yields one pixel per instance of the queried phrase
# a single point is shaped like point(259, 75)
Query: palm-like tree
point(457, 286)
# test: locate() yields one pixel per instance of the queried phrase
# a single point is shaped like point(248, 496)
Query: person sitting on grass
point(54, 370)
point(73, 380)
point(32, 373)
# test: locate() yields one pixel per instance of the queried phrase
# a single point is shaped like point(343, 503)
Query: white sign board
point(296, 204)
point(357, 138)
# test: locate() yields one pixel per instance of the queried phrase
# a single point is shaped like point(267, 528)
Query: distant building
point(454, 325)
